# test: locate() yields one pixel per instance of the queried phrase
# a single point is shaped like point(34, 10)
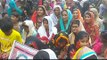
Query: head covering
point(79, 15)
point(85, 53)
point(12, 5)
point(34, 16)
point(61, 36)
point(52, 29)
point(53, 16)
point(32, 31)
point(91, 27)
point(64, 29)
point(45, 54)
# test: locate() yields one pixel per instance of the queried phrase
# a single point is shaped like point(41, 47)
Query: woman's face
point(75, 28)
point(26, 28)
point(57, 11)
point(75, 14)
point(40, 11)
point(87, 18)
point(61, 44)
point(65, 16)
point(45, 23)
point(84, 41)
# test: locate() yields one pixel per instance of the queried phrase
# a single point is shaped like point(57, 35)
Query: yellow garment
point(7, 41)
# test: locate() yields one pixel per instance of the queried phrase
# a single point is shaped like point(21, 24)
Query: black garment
point(39, 44)
point(41, 55)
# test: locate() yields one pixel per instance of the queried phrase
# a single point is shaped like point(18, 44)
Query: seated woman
point(56, 14)
point(77, 16)
point(93, 30)
point(65, 21)
point(75, 29)
point(38, 16)
point(29, 29)
point(47, 30)
point(60, 45)
point(82, 39)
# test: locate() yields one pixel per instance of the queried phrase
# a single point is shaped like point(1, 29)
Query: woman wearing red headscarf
point(38, 16)
point(93, 30)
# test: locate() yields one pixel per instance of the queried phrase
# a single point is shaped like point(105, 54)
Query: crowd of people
point(59, 29)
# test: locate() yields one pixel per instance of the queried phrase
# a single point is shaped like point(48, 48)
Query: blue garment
point(12, 5)
point(65, 28)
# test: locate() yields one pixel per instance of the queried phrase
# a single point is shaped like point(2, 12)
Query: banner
point(20, 51)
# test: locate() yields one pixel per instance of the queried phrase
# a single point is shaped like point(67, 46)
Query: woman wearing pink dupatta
point(93, 30)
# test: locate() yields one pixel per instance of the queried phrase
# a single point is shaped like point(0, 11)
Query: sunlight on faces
point(65, 16)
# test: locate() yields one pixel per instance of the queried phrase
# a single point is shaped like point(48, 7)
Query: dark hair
point(41, 6)
point(39, 44)
point(3, 14)
point(15, 14)
point(75, 22)
point(63, 11)
point(104, 35)
point(87, 13)
point(6, 24)
point(81, 35)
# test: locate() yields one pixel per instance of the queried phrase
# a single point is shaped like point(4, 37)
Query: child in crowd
point(82, 40)
point(7, 36)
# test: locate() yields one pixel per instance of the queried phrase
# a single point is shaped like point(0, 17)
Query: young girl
point(74, 30)
point(82, 39)
point(60, 45)
point(47, 29)
point(93, 30)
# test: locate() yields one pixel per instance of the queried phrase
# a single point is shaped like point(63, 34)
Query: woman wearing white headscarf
point(56, 14)
point(47, 29)
point(29, 29)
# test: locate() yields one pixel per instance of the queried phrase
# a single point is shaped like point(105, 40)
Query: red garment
point(34, 17)
point(91, 28)
point(40, 2)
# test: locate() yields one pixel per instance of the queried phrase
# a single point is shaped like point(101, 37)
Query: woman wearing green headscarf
point(65, 21)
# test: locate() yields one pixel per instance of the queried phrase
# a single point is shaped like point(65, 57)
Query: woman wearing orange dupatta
point(93, 30)
point(77, 15)
point(38, 16)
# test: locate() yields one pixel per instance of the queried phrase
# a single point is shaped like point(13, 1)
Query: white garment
point(32, 31)
point(51, 53)
point(52, 29)
point(53, 16)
